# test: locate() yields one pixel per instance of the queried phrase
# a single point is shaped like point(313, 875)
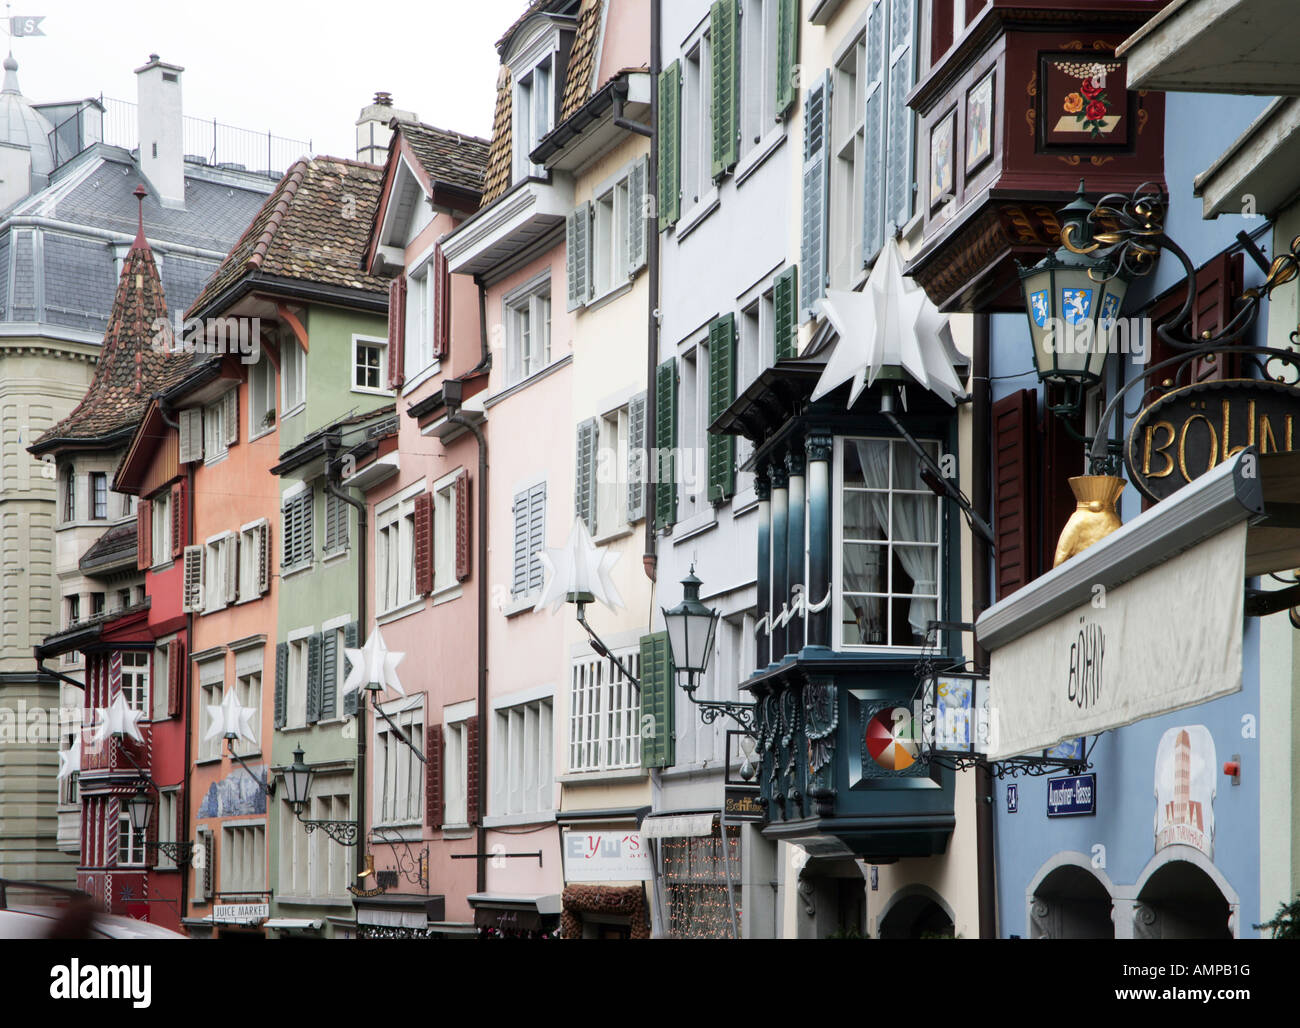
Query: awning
point(291, 924)
point(390, 918)
point(677, 826)
point(1147, 621)
point(514, 913)
point(1261, 164)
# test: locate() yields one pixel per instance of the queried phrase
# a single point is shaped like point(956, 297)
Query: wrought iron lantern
point(691, 627)
point(297, 782)
point(139, 808)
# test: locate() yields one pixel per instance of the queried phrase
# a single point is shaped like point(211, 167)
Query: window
point(455, 775)
point(69, 495)
point(254, 560)
point(534, 114)
point(96, 604)
point(98, 495)
point(74, 610)
point(128, 504)
point(220, 572)
point(336, 523)
point(248, 690)
point(848, 170)
point(296, 690)
point(693, 432)
point(167, 815)
point(529, 540)
point(130, 842)
point(528, 332)
point(261, 397)
point(160, 675)
point(297, 531)
point(444, 536)
point(135, 680)
point(395, 555)
point(758, 72)
point(214, 432)
point(123, 599)
point(609, 252)
point(161, 534)
point(243, 857)
point(604, 714)
point(369, 364)
point(211, 692)
point(399, 773)
point(314, 865)
point(698, 874)
point(890, 551)
point(605, 238)
point(611, 489)
point(68, 786)
point(697, 125)
point(522, 773)
point(293, 374)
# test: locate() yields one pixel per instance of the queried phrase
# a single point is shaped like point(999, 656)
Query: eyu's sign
point(1186, 432)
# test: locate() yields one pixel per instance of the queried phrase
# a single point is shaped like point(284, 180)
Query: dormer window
point(534, 104)
point(536, 57)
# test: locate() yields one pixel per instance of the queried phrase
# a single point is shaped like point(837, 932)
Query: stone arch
point(913, 910)
point(1181, 894)
point(1069, 898)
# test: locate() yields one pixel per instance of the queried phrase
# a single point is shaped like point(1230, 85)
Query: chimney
point(158, 117)
point(373, 133)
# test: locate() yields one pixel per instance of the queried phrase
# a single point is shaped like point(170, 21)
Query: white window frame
point(134, 840)
point(604, 730)
point(533, 112)
point(455, 771)
point(610, 472)
point(523, 765)
point(444, 533)
point(167, 815)
point(248, 691)
point(250, 546)
point(160, 536)
point(211, 694)
point(293, 377)
point(379, 343)
point(394, 574)
point(261, 389)
point(242, 865)
point(693, 430)
point(419, 318)
point(214, 431)
point(136, 664)
point(698, 187)
point(528, 344)
point(216, 571)
point(161, 673)
point(847, 159)
point(91, 506)
point(399, 773)
point(295, 687)
point(758, 45)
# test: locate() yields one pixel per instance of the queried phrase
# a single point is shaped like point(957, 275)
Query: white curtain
point(864, 569)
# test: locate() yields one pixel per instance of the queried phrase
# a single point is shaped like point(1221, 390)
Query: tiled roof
point(314, 228)
point(449, 157)
point(131, 365)
point(497, 178)
point(112, 549)
point(529, 11)
point(578, 81)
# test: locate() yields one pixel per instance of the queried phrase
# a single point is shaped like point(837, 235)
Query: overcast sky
point(300, 70)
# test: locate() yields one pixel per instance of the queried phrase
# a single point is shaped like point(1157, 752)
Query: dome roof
point(21, 124)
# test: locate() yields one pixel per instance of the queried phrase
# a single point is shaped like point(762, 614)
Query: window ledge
point(209, 462)
point(535, 817)
point(515, 387)
point(159, 568)
point(447, 594)
point(335, 557)
point(405, 831)
point(362, 390)
point(760, 152)
point(297, 569)
point(413, 382)
point(613, 774)
point(261, 432)
point(397, 613)
point(610, 295)
point(203, 761)
point(695, 524)
point(294, 411)
point(692, 219)
point(743, 503)
point(520, 605)
point(457, 831)
point(614, 536)
point(313, 901)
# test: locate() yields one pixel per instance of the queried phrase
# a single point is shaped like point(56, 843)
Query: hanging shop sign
point(742, 804)
point(1072, 795)
point(241, 913)
point(610, 856)
point(1188, 431)
point(957, 718)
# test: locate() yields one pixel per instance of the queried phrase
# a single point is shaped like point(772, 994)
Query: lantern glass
point(139, 809)
point(1074, 306)
point(297, 781)
point(691, 626)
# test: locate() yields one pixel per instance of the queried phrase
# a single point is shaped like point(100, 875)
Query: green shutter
point(664, 464)
point(313, 679)
point(658, 747)
point(722, 390)
point(785, 305)
point(584, 474)
point(670, 145)
point(787, 54)
point(351, 637)
point(724, 39)
point(281, 682)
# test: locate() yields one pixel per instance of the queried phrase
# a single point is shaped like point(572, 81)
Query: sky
point(299, 70)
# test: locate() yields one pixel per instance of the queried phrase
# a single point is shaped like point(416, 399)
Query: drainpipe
point(981, 500)
point(651, 558)
point(332, 488)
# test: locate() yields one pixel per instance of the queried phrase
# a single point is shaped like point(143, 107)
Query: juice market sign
point(1188, 431)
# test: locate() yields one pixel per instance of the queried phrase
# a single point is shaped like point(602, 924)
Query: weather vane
point(20, 25)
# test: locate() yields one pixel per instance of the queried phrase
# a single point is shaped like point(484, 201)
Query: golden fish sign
point(1188, 431)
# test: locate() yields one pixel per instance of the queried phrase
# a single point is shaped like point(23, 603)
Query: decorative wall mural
point(979, 123)
point(1085, 101)
point(236, 794)
point(1185, 789)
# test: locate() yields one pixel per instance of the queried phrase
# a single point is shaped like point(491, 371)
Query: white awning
point(285, 924)
point(389, 918)
point(677, 826)
point(1147, 621)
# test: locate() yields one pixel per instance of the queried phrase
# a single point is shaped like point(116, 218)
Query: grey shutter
point(816, 143)
point(577, 235)
point(637, 208)
point(307, 511)
point(230, 416)
point(519, 580)
point(192, 577)
point(584, 474)
point(230, 559)
point(351, 637)
point(264, 557)
point(329, 674)
point(281, 683)
point(313, 679)
point(286, 535)
point(536, 535)
point(874, 133)
point(636, 458)
point(898, 148)
point(191, 435)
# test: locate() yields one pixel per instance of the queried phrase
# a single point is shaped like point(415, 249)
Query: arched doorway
point(1180, 900)
point(1071, 903)
point(916, 916)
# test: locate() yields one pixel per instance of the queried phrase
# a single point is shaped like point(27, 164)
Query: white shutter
point(191, 435)
point(636, 458)
point(898, 148)
point(230, 551)
point(536, 535)
point(264, 556)
point(876, 129)
point(230, 416)
point(519, 582)
point(816, 142)
point(637, 208)
point(192, 601)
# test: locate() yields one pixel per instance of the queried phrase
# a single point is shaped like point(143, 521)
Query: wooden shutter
point(182, 816)
point(329, 674)
point(584, 474)
point(636, 215)
point(192, 579)
point(281, 684)
point(722, 390)
point(176, 668)
point(577, 255)
point(424, 544)
point(898, 147)
point(433, 795)
point(636, 458)
point(440, 276)
point(230, 416)
point(787, 54)
point(785, 308)
point(1014, 480)
point(397, 332)
point(875, 131)
point(670, 145)
point(191, 435)
point(519, 578)
point(658, 748)
point(471, 775)
point(536, 535)
point(230, 558)
point(314, 678)
point(209, 859)
point(151, 838)
point(1219, 284)
point(724, 40)
point(664, 465)
point(351, 637)
point(816, 143)
point(264, 557)
point(144, 536)
point(463, 559)
point(179, 521)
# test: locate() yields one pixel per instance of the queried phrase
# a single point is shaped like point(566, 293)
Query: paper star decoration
point(118, 719)
point(70, 759)
point(374, 662)
point(580, 566)
point(890, 323)
point(229, 718)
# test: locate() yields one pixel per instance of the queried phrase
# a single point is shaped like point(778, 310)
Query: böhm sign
point(1188, 431)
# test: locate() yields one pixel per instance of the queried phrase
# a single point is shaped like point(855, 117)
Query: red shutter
point(182, 818)
point(1063, 458)
point(441, 304)
point(424, 544)
point(178, 519)
point(462, 527)
point(151, 838)
point(1219, 284)
point(396, 332)
point(433, 777)
point(175, 676)
point(143, 537)
point(1014, 466)
point(471, 773)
